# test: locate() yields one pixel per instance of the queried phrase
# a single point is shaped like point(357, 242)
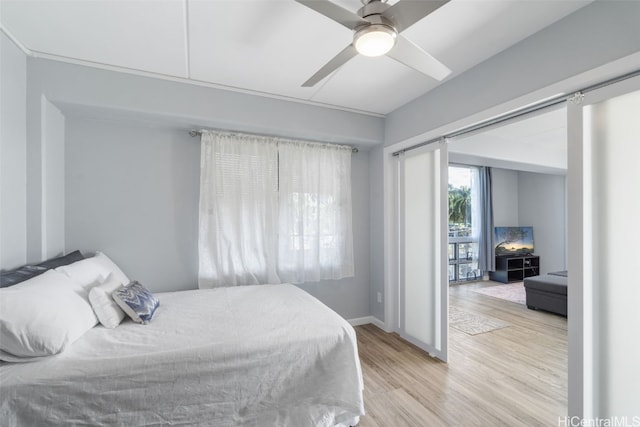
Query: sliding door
point(423, 302)
point(604, 290)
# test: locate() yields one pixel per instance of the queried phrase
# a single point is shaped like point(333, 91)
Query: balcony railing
point(463, 266)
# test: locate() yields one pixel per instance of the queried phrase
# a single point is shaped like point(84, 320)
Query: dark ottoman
point(547, 292)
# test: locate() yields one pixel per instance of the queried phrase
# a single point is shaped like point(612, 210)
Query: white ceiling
point(535, 143)
point(269, 46)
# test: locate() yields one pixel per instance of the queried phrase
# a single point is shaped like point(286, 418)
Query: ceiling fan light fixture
point(375, 39)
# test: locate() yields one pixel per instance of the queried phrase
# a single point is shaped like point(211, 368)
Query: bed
point(269, 355)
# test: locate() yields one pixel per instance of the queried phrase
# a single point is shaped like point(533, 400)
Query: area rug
point(473, 324)
point(513, 292)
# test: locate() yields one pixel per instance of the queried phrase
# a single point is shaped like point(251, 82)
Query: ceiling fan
point(377, 27)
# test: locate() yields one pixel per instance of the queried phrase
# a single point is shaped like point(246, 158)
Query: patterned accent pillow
point(137, 301)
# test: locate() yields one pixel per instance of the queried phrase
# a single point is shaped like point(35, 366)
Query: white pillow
point(90, 271)
point(42, 316)
point(108, 312)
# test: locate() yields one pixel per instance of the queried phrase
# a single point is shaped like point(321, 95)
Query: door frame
point(576, 397)
point(582, 323)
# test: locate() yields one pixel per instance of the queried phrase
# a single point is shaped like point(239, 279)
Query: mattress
point(269, 355)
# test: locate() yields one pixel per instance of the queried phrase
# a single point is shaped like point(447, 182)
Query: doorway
point(526, 159)
point(583, 327)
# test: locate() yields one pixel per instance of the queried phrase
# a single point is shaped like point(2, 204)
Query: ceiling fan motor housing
point(373, 9)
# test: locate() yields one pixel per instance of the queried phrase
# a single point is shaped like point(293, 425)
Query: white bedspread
point(267, 355)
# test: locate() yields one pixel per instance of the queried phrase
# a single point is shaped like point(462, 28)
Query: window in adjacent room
point(463, 240)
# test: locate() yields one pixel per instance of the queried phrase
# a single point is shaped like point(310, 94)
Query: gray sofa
point(547, 292)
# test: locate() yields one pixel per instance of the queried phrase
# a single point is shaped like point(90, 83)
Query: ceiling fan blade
point(337, 61)
point(405, 13)
point(413, 56)
point(335, 12)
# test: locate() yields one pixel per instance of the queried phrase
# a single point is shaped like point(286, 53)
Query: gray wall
point(504, 188)
point(13, 163)
point(542, 204)
point(538, 200)
point(132, 191)
point(76, 88)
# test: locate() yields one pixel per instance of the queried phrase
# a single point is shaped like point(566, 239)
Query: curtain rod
point(520, 112)
point(196, 132)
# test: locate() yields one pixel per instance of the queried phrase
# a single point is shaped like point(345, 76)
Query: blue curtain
point(486, 255)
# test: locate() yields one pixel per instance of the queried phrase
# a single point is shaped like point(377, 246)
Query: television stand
point(514, 268)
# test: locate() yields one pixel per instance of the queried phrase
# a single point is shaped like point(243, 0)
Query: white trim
point(391, 256)
point(366, 320)
point(44, 187)
point(379, 323)
point(443, 286)
point(15, 41)
point(578, 404)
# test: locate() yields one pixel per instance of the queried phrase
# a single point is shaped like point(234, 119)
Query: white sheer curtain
point(273, 210)
point(316, 240)
point(237, 239)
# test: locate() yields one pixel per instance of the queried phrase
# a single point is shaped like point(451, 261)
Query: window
point(463, 241)
point(315, 212)
point(273, 210)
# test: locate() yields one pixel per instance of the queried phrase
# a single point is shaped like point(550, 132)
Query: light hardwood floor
point(508, 377)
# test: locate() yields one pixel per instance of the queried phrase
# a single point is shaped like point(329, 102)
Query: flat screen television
point(513, 240)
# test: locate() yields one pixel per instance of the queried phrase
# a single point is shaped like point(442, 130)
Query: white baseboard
point(367, 320)
point(361, 321)
point(379, 323)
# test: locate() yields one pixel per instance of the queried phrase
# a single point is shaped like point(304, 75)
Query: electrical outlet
point(379, 297)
